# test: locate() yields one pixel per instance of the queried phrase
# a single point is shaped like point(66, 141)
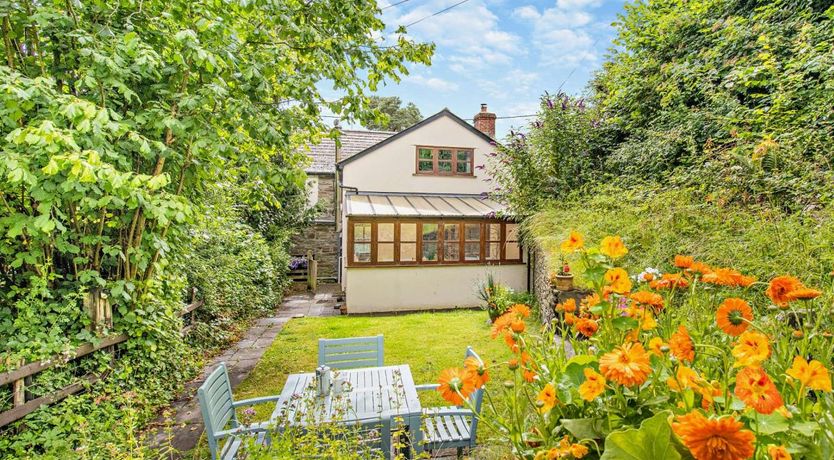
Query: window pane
point(425, 166)
point(451, 232)
point(444, 154)
point(444, 166)
point(463, 155)
point(361, 232)
point(472, 232)
point(408, 232)
point(385, 231)
point(494, 232)
point(451, 252)
point(408, 252)
point(464, 168)
point(513, 251)
point(362, 252)
point(430, 252)
point(493, 251)
point(385, 252)
point(472, 251)
point(429, 232)
point(512, 232)
point(424, 154)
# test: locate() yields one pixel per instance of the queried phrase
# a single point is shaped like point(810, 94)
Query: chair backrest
point(477, 397)
point(215, 396)
point(351, 353)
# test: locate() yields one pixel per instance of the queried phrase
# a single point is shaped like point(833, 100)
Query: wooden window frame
point(435, 153)
point(419, 262)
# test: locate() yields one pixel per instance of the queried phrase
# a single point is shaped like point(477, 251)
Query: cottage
point(411, 225)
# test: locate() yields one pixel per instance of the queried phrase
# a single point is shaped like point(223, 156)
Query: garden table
point(376, 393)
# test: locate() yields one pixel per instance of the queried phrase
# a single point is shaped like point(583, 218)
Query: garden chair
point(218, 408)
point(452, 426)
point(351, 353)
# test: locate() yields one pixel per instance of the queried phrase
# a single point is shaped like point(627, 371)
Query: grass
point(427, 342)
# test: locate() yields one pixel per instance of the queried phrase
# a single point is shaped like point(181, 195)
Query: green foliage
point(394, 116)
point(651, 441)
point(117, 120)
point(657, 224)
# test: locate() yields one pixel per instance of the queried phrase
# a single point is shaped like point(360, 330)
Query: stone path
point(240, 359)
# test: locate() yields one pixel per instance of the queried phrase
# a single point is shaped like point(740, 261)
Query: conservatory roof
point(421, 205)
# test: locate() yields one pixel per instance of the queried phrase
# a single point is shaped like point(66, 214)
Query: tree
point(394, 117)
point(115, 116)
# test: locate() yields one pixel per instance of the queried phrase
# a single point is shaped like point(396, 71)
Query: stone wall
point(321, 236)
point(547, 296)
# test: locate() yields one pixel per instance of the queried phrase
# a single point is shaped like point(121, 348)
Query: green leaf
point(770, 424)
point(585, 428)
point(624, 323)
point(651, 442)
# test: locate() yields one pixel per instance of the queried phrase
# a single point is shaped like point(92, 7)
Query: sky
point(505, 53)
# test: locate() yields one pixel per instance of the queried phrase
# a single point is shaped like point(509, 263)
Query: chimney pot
point(484, 121)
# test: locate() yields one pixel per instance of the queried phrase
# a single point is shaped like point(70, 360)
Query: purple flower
point(549, 103)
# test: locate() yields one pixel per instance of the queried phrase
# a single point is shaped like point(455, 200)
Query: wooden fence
point(21, 376)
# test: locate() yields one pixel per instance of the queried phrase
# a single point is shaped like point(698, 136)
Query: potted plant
point(495, 297)
point(563, 279)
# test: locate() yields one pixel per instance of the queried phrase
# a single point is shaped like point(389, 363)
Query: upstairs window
point(445, 161)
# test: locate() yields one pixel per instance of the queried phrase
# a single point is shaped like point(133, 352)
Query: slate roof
point(353, 142)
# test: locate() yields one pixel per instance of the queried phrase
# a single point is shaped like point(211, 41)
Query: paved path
point(240, 359)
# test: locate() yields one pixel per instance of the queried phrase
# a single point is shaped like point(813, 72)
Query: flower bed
point(701, 362)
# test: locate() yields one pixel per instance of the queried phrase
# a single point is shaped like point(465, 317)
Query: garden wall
point(540, 283)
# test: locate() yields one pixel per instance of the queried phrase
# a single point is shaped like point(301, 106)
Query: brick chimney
point(485, 121)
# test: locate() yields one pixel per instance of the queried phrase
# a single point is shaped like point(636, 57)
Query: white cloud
point(470, 34)
point(562, 34)
point(526, 12)
point(437, 84)
point(577, 4)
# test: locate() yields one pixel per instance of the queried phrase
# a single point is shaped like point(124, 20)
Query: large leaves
point(652, 441)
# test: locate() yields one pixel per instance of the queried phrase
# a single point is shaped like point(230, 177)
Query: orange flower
point(520, 310)
point(684, 378)
point(618, 279)
point(518, 326)
point(478, 370)
point(681, 345)
point(751, 349)
point(755, 388)
point(803, 294)
point(648, 298)
point(512, 364)
point(670, 281)
point(683, 261)
point(613, 247)
point(778, 452)
point(714, 439)
point(529, 375)
point(455, 385)
point(654, 346)
point(812, 375)
point(587, 327)
point(593, 386)
point(573, 243)
point(700, 267)
point(780, 287)
point(578, 450)
point(568, 306)
point(570, 319)
point(627, 364)
point(548, 398)
point(501, 324)
point(728, 277)
point(733, 316)
point(591, 300)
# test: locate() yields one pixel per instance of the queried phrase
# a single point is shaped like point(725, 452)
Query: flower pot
point(563, 282)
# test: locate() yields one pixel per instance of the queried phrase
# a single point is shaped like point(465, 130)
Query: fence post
point(19, 391)
point(97, 306)
point(312, 271)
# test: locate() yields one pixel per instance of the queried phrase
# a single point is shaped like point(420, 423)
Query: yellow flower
point(812, 375)
point(593, 386)
point(618, 279)
point(573, 243)
point(751, 349)
point(547, 397)
point(578, 450)
point(613, 247)
point(778, 452)
point(654, 346)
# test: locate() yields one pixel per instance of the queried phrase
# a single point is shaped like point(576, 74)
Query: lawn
point(428, 342)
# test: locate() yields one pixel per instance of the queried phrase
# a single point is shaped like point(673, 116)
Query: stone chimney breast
point(484, 121)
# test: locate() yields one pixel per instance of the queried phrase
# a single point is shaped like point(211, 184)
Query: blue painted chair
point(218, 408)
point(453, 426)
point(351, 353)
